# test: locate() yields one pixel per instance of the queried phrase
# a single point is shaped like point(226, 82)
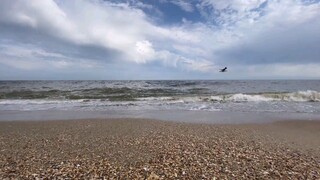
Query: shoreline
point(208, 117)
point(144, 148)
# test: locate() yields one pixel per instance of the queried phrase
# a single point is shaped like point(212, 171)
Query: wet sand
point(150, 149)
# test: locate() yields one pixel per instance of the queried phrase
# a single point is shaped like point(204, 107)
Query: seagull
point(224, 69)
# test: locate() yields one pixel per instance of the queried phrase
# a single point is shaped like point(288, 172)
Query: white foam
point(300, 96)
point(156, 99)
point(36, 102)
point(304, 96)
point(246, 97)
point(203, 108)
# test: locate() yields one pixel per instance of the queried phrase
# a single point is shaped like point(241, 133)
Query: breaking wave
point(300, 96)
point(150, 95)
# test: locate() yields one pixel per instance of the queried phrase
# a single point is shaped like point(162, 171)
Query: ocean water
point(273, 96)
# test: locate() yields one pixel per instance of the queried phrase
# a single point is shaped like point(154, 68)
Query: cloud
point(184, 5)
point(285, 70)
point(266, 32)
point(145, 51)
point(104, 25)
point(20, 52)
point(34, 58)
point(229, 13)
point(174, 60)
point(90, 34)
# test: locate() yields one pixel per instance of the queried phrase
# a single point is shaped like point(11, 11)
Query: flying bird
point(224, 69)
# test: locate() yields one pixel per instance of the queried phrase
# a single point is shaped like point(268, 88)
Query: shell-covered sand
point(150, 149)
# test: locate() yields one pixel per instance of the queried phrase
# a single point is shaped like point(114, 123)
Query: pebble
point(147, 150)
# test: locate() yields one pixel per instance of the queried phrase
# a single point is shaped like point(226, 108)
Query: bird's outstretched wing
point(223, 70)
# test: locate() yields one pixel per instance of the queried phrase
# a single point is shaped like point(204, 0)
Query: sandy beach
point(161, 89)
point(151, 149)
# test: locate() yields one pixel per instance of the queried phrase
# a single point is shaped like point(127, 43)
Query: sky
point(159, 39)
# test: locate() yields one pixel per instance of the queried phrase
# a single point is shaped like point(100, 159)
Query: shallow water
point(217, 117)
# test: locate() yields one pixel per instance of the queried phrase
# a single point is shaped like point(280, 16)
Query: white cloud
point(277, 31)
point(237, 32)
point(173, 60)
point(145, 51)
point(26, 57)
point(115, 26)
point(82, 22)
point(184, 5)
point(229, 13)
point(27, 52)
point(281, 70)
point(199, 65)
point(239, 5)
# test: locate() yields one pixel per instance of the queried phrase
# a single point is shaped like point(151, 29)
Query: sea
point(225, 100)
